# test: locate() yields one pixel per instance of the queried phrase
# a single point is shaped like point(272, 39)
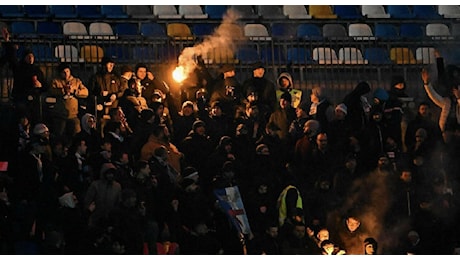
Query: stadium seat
point(220, 55)
point(449, 11)
point(413, 31)
point(299, 56)
point(122, 53)
point(179, 31)
point(256, 32)
point(455, 30)
point(140, 11)
point(192, 12)
point(272, 55)
point(51, 29)
point(166, 12)
point(307, 31)
point(270, 12)
point(296, 12)
point(325, 55)
point(145, 54)
point(67, 53)
point(360, 32)
point(400, 12)
point(236, 31)
point(126, 30)
point(215, 11)
point(246, 12)
point(63, 11)
point(23, 29)
point(347, 12)
point(101, 31)
point(89, 12)
point(335, 31)
point(43, 53)
point(351, 55)
point(451, 55)
point(402, 55)
point(321, 12)
point(12, 11)
point(283, 31)
point(36, 11)
point(203, 29)
point(438, 31)
point(247, 55)
point(425, 55)
point(426, 12)
point(91, 53)
point(152, 30)
point(386, 31)
point(377, 56)
point(374, 11)
point(114, 11)
point(75, 30)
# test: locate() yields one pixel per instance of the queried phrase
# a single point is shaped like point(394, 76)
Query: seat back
point(63, 11)
point(336, 31)
point(151, 29)
point(402, 55)
point(49, 28)
point(351, 55)
point(166, 12)
point(215, 11)
point(400, 12)
point(360, 31)
point(91, 53)
point(23, 29)
point(309, 31)
point(247, 55)
point(374, 11)
point(425, 55)
point(256, 31)
point(425, 12)
point(411, 31)
point(36, 11)
point(385, 31)
point(101, 31)
point(296, 12)
point(347, 12)
point(75, 30)
point(179, 31)
point(449, 11)
point(438, 31)
point(67, 53)
point(299, 56)
point(377, 56)
point(245, 12)
point(283, 31)
point(270, 12)
point(114, 11)
point(126, 29)
point(192, 12)
point(325, 55)
point(321, 12)
point(89, 11)
point(140, 11)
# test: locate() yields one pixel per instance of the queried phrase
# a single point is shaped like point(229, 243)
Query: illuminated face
point(424, 110)
point(300, 113)
point(399, 86)
point(322, 235)
point(321, 141)
point(272, 232)
point(284, 82)
point(353, 224)
point(328, 248)
point(370, 250)
point(65, 73)
point(109, 66)
point(259, 73)
point(29, 58)
point(141, 73)
point(284, 103)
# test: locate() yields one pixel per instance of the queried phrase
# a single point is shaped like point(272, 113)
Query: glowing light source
point(179, 74)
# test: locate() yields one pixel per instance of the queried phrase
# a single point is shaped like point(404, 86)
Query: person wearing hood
point(358, 107)
point(227, 90)
point(28, 80)
point(89, 133)
point(394, 112)
point(285, 84)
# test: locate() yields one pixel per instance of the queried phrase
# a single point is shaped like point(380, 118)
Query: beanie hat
point(304, 106)
point(106, 167)
point(187, 103)
point(146, 114)
point(225, 140)
point(40, 129)
point(198, 123)
point(286, 96)
point(227, 68)
point(370, 240)
point(63, 66)
point(397, 79)
point(187, 182)
point(126, 68)
point(342, 107)
point(107, 59)
point(381, 94)
point(257, 65)
point(190, 172)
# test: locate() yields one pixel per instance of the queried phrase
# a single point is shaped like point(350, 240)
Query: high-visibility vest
point(282, 210)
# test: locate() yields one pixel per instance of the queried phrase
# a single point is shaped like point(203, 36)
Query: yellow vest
point(282, 210)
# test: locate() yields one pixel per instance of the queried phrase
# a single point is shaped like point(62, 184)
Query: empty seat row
point(255, 31)
point(269, 12)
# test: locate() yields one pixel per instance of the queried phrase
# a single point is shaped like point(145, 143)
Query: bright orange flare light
point(179, 74)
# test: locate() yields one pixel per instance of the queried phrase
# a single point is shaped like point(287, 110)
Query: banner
point(230, 201)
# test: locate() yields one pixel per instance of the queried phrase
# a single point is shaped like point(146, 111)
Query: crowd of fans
point(121, 165)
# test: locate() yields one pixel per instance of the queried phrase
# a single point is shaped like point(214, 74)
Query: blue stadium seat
point(412, 31)
point(23, 29)
point(347, 11)
point(309, 31)
point(425, 12)
point(145, 54)
point(12, 11)
point(299, 56)
point(89, 11)
point(126, 29)
point(36, 11)
point(215, 11)
point(63, 11)
point(114, 11)
point(273, 55)
point(377, 56)
point(122, 53)
point(203, 29)
point(386, 31)
point(400, 12)
point(43, 53)
point(152, 30)
point(283, 31)
point(247, 55)
point(51, 29)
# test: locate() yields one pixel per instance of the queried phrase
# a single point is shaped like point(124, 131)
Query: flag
point(230, 201)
